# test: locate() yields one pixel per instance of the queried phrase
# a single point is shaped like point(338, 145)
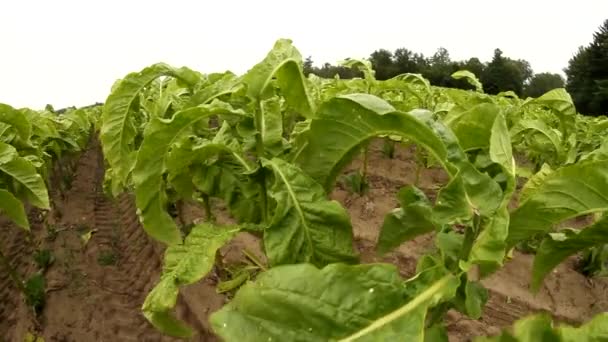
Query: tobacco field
point(271, 206)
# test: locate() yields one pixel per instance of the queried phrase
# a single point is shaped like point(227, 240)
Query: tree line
point(587, 72)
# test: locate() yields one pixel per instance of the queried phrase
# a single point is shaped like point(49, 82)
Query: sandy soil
point(95, 289)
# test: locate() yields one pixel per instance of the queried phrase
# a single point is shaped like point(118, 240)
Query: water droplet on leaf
point(371, 290)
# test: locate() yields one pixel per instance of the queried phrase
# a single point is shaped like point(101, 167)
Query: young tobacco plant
point(223, 136)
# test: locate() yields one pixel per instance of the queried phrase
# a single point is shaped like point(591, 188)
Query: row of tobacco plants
point(35, 147)
point(270, 145)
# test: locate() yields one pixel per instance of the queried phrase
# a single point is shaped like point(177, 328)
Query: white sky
point(71, 52)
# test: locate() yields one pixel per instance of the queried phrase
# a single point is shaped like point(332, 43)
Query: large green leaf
point(596, 330)
point(566, 193)
point(558, 246)
point(24, 176)
point(184, 264)
point(470, 298)
point(560, 102)
point(481, 192)
point(489, 247)
point(16, 119)
point(474, 126)
point(338, 302)
point(285, 63)
point(305, 227)
point(117, 131)
point(364, 66)
point(470, 78)
point(229, 181)
point(226, 84)
point(534, 182)
point(148, 172)
point(407, 222)
point(539, 328)
point(13, 209)
point(488, 250)
point(271, 130)
point(541, 127)
point(452, 204)
point(344, 123)
point(501, 151)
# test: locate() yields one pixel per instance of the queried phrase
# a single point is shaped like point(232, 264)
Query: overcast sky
point(71, 52)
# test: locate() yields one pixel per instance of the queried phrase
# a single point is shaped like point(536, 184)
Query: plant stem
point(259, 147)
point(263, 197)
point(470, 235)
point(365, 156)
point(12, 273)
point(418, 166)
point(219, 264)
point(254, 259)
point(180, 212)
point(207, 207)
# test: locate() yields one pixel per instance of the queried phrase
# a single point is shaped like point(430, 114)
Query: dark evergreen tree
point(587, 74)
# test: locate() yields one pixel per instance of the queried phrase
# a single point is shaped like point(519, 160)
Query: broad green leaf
point(338, 302)
point(534, 182)
point(16, 119)
point(489, 247)
point(191, 154)
point(553, 251)
point(436, 333)
point(450, 244)
point(451, 204)
point(150, 196)
point(13, 209)
point(117, 131)
point(539, 328)
point(271, 129)
point(470, 78)
point(501, 151)
point(474, 126)
point(344, 123)
point(418, 80)
point(407, 222)
point(20, 171)
point(470, 298)
point(305, 226)
point(364, 66)
point(541, 127)
point(560, 102)
point(482, 192)
point(226, 84)
point(298, 139)
point(184, 264)
point(285, 63)
point(596, 330)
point(566, 193)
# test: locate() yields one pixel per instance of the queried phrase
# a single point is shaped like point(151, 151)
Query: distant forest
point(587, 72)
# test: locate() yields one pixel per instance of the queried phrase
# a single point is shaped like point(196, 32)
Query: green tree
point(587, 74)
point(440, 68)
point(308, 67)
point(542, 83)
point(504, 73)
point(406, 61)
point(382, 62)
point(474, 65)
